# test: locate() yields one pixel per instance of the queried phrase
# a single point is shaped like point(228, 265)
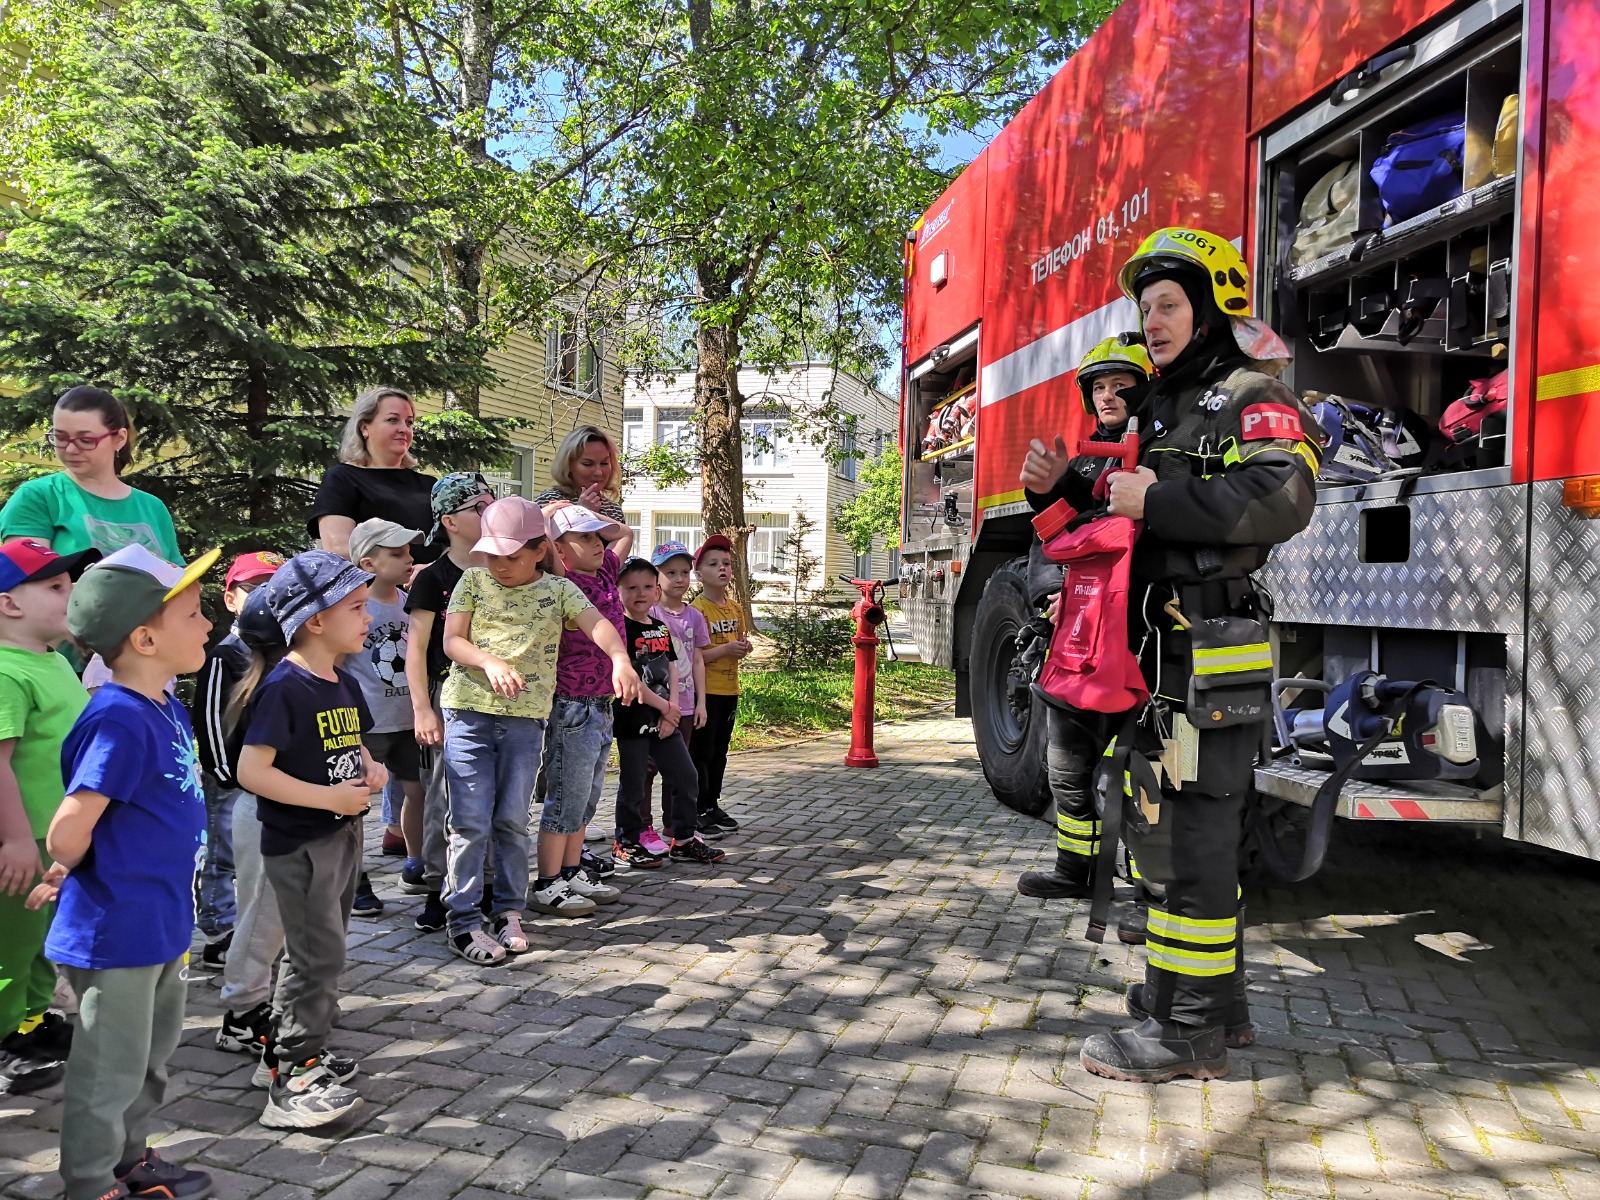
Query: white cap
point(574, 518)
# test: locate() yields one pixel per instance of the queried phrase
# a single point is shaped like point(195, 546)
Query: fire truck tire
point(1008, 724)
point(1284, 822)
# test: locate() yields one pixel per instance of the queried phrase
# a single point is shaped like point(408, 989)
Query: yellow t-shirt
point(521, 625)
point(726, 622)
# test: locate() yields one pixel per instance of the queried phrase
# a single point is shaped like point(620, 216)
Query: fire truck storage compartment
point(1403, 314)
point(942, 408)
point(1472, 663)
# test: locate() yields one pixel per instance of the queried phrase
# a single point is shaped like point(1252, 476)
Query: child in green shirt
point(40, 698)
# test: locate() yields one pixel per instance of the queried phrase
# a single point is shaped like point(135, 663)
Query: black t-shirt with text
point(315, 726)
point(650, 649)
point(394, 493)
point(430, 592)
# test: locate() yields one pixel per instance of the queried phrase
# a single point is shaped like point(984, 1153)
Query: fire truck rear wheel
point(1011, 743)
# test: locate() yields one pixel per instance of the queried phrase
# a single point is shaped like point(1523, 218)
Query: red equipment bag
point(1090, 666)
point(1485, 398)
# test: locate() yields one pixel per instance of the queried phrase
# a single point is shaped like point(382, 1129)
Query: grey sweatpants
point(258, 935)
point(129, 1022)
point(315, 884)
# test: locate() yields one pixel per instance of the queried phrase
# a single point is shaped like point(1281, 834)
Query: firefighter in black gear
point(1077, 739)
point(1227, 470)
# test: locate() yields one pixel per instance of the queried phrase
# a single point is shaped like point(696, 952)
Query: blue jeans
point(577, 744)
point(490, 765)
point(215, 909)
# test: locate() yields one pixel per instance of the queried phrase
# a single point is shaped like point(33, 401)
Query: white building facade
point(789, 426)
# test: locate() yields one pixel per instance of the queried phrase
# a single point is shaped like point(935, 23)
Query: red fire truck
point(1483, 572)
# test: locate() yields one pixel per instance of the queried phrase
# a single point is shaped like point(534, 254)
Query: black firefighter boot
point(1133, 923)
point(1156, 1052)
point(1072, 879)
point(1237, 1033)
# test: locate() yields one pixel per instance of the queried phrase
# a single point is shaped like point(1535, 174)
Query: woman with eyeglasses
point(87, 503)
point(375, 476)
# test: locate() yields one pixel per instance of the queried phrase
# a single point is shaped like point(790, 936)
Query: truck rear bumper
point(1419, 800)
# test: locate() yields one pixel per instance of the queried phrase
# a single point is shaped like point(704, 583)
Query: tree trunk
point(717, 406)
point(257, 412)
point(466, 261)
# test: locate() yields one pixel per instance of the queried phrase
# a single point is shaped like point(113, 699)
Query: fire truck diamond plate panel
point(1465, 570)
point(1560, 807)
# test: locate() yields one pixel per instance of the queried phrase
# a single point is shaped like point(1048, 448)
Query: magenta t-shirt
point(689, 630)
point(583, 670)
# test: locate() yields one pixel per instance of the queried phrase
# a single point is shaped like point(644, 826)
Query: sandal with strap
point(508, 932)
point(478, 947)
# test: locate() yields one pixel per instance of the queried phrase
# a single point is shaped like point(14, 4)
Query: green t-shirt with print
point(40, 699)
point(520, 625)
point(55, 509)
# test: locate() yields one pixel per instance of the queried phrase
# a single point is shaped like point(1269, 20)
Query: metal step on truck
point(1448, 329)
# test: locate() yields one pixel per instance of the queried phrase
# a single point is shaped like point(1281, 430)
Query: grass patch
point(778, 706)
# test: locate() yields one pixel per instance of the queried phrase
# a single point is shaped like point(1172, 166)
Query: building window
point(634, 438)
point(636, 527)
point(676, 427)
point(572, 360)
point(679, 527)
point(766, 442)
point(767, 554)
point(517, 477)
point(864, 566)
point(845, 467)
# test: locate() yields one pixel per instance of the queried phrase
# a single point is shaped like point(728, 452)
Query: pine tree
point(220, 230)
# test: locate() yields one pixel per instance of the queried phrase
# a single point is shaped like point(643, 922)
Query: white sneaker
point(559, 900)
point(595, 833)
point(589, 886)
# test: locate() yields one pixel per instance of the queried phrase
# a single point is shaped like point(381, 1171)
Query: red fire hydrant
point(868, 614)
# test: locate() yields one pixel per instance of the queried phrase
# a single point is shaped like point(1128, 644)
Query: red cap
point(246, 567)
point(715, 542)
point(25, 560)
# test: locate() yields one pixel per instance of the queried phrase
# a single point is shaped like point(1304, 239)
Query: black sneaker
point(433, 917)
point(695, 850)
point(596, 865)
point(413, 879)
point(22, 1073)
point(631, 856)
point(717, 819)
point(366, 903)
point(153, 1175)
point(215, 953)
point(244, 1033)
point(305, 1096)
point(48, 1041)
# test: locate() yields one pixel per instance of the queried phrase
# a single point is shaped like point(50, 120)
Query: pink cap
point(509, 524)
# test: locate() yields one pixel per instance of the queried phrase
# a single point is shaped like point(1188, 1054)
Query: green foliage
point(875, 512)
point(780, 705)
point(807, 631)
point(662, 464)
point(223, 231)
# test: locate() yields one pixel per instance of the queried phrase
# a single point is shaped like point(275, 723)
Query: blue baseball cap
point(307, 584)
point(24, 560)
point(668, 551)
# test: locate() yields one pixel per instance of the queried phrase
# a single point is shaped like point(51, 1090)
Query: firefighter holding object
point(1076, 738)
point(1227, 469)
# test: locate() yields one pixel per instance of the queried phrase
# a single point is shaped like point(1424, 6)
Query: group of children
point(537, 649)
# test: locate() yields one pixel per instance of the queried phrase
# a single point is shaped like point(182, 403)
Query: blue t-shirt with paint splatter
point(130, 902)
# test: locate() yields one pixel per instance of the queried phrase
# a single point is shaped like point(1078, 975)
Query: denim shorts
point(577, 743)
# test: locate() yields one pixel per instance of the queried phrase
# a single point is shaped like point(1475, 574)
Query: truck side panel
point(1303, 46)
point(1134, 133)
point(1561, 138)
point(953, 227)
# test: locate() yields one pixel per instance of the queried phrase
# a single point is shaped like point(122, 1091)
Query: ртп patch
point(1261, 421)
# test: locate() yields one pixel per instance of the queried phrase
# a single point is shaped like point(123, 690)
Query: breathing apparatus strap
point(1326, 803)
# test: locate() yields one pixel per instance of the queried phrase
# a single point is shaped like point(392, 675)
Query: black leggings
point(678, 789)
point(709, 745)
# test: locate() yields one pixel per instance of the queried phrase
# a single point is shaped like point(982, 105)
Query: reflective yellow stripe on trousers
point(1167, 929)
point(1077, 836)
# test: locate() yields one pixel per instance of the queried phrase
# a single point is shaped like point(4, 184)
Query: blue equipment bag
point(1420, 167)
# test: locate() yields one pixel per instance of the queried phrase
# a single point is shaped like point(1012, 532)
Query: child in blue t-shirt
point(126, 841)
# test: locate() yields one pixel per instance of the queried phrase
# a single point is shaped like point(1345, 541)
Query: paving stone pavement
point(858, 1004)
